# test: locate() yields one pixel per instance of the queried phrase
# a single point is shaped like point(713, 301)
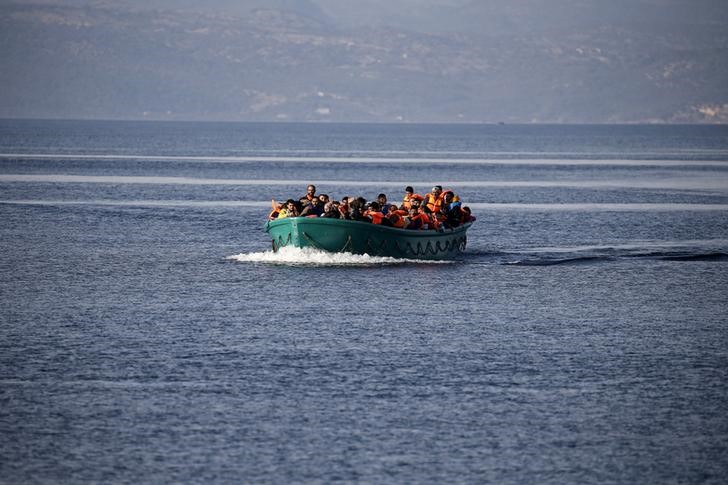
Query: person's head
point(382, 198)
point(345, 200)
point(409, 190)
point(392, 209)
point(329, 207)
point(316, 201)
point(290, 204)
point(448, 196)
point(466, 209)
point(323, 198)
point(374, 207)
point(437, 190)
point(414, 203)
point(413, 211)
point(311, 190)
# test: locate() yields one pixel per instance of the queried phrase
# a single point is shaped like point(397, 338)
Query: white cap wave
point(314, 257)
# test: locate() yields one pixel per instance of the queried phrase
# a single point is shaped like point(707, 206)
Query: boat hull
point(338, 236)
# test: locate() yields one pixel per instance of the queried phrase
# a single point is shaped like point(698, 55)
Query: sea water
point(148, 333)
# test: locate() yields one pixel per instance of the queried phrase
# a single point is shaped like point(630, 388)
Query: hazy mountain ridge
point(106, 61)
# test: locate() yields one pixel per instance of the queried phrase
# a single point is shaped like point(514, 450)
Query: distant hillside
point(456, 61)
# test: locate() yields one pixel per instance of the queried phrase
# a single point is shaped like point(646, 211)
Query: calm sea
point(147, 333)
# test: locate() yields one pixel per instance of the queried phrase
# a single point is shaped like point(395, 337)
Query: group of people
point(438, 209)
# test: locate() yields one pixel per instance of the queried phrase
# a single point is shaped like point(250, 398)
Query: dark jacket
point(453, 214)
point(313, 210)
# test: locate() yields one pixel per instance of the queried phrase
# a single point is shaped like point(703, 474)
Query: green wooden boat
point(339, 235)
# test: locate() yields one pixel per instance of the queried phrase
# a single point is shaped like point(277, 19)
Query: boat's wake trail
point(292, 256)
point(702, 250)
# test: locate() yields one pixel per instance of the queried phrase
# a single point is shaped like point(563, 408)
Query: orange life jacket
point(455, 197)
point(396, 218)
point(407, 201)
point(375, 215)
point(424, 220)
point(433, 203)
point(276, 209)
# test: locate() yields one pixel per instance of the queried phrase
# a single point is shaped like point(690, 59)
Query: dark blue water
point(147, 334)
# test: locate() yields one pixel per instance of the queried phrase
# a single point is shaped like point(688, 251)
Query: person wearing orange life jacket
point(344, 208)
point(376, 215)
point(450, 214)
point(433, 200)
point(444, 199)
point(275, 209)
point(429, 218)
point(396, 216)
point(455, 197)
point(418, 219)
point(410, 198)
point(406, 218)
point(411, 221)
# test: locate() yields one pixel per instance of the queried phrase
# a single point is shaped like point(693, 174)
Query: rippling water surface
point(148, 334)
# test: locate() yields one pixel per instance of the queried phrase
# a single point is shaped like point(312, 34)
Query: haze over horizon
point(529, 61)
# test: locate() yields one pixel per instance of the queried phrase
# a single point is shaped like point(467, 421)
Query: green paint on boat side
point(339, 235)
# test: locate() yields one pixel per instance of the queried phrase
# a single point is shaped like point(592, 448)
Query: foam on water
point(314, 257)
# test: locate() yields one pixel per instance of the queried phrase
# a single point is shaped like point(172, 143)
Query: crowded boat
point(437, 210)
